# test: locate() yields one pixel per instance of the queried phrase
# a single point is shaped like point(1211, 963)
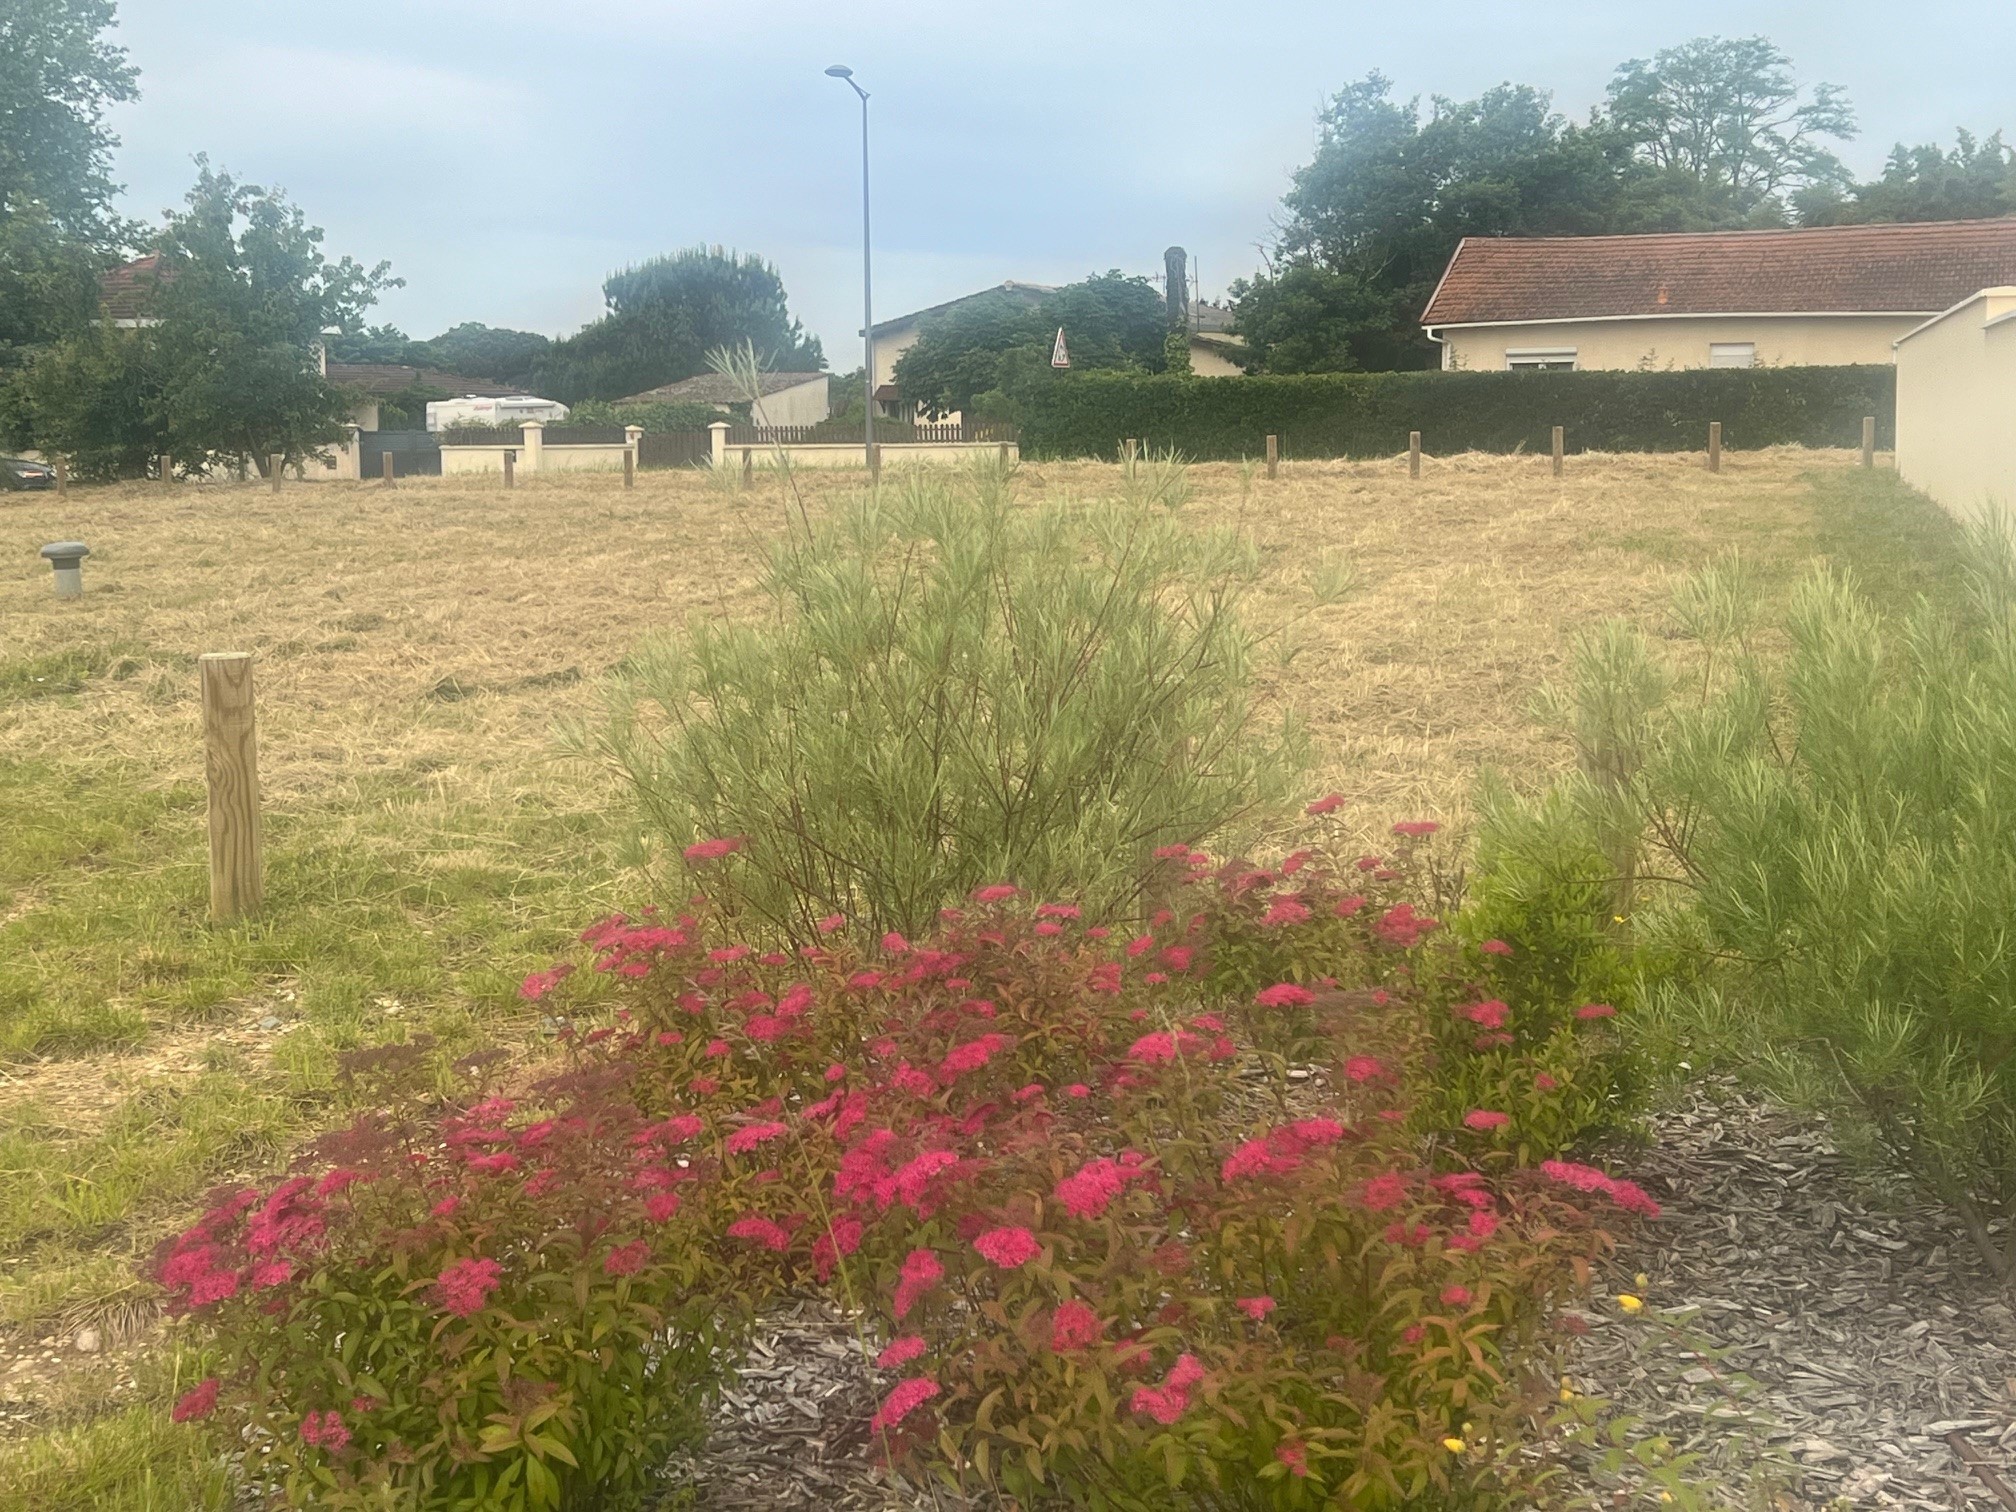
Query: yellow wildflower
point(1643, 1281)
point(1454, 1445)
point(1629, 1303)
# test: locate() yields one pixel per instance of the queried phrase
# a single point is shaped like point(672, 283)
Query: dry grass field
point(428, 840)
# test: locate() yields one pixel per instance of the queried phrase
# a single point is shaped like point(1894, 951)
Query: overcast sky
point(504, 155)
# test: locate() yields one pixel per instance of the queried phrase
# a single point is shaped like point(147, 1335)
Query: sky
point(505, 155)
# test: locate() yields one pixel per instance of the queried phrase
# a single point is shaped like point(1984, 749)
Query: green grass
point(1899, 544)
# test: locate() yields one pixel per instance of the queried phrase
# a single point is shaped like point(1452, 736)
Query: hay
point(444, 626)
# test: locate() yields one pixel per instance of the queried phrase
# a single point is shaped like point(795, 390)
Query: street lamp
point(842, 71)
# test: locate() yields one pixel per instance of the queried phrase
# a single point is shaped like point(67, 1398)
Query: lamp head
point(839, 71)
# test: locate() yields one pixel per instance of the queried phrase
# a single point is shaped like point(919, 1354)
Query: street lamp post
point(842, 71)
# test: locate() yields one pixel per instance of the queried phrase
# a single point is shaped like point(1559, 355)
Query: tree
point(1373, 218)
point(1977, 179)
point(58, 76)
point(244, 297)
point(471, 349)
point(1729, 115)
point(480, 351)
point(665, 316)
point(992, 345)
point(224, 367)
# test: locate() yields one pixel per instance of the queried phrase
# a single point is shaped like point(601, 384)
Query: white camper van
point(513, 410)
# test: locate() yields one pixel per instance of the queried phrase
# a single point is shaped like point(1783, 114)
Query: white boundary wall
point(1956, 405)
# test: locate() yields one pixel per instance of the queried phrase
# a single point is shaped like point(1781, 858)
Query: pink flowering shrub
point(504, 1307)
point(1177, 1207)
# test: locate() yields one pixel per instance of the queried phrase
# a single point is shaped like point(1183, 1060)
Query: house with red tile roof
point(1823, 296)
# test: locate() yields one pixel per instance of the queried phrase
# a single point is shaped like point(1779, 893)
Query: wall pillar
point(534, 432)
point(718, 442)
point(350, 456)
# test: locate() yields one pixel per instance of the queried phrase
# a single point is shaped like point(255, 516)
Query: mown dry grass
point(427, 842)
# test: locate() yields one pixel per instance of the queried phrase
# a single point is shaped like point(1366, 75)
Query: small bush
point(1370, 414)
point(953, 688)
point(498, 1310)
point(1122, 1224)
point(1826, 832)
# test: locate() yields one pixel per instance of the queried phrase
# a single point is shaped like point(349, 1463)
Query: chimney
point(1176, 283)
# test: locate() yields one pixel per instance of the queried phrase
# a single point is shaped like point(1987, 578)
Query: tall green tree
point(1372, 219)
point(981, 351)
point(58, 76)
point(665, 316)
point(243, 299)
point(1975, 180)
point(223, 368)
point(472, 349)
point(1729, 114)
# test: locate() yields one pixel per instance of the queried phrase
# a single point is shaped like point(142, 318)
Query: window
point(1540, 359)
point(1732, 354)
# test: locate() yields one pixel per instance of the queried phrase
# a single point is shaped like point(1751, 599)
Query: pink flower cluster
point(1169, 1401)
point(1582, 1178)
point(1088, 1191)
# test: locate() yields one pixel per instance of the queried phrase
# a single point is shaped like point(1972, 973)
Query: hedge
point(1370, 414)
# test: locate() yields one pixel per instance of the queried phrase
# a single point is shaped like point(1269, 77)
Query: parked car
point(16, 473)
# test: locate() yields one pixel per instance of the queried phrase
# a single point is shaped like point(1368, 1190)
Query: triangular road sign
point(1059, 358)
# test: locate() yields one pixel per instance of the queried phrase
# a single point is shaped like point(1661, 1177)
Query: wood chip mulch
point(1818, 1334)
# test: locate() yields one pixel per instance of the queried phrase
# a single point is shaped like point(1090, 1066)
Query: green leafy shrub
point(1824, 825)
point(1370, 414)
point(952, 687)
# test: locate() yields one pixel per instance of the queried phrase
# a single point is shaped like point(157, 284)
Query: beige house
point(895, 337)
point(1956, 404)
point(1824, 296)
point(787, 398)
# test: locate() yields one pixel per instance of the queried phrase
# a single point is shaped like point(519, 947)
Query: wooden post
point(1004, 453)
point(231, 767)
point(1868, 440)
point(62, 477)
point(273, 466)
point(385, 461)
point(1273, 454)
point(1131, 448)
point(510, 468)
point(874, 463)
point(749, 466)
point(629, 467)
point(1560, 447)
point(1413, 454)
point(1714, 446)
point(167, 468)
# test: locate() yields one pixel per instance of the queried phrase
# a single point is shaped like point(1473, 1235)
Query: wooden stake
point(231, 767)
point(1004, 453)
point(874, 462)
point(1273, 454)
point(1868, 440)
point(62, 477)
point(510, 468)
point(1560, 447)
point(1714, 446)
point(629, 467)
point(167, 468)
point(273, 466)
point(1131, 447)
point(385, 461)
point(1413, 454)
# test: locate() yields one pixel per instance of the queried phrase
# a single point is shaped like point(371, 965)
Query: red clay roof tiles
point(1891, 269)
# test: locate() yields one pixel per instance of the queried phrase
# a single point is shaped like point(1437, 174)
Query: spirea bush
point(951, 686)
point(1256, 1202)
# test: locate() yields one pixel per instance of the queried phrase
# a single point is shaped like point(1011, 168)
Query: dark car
point(15, 473)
